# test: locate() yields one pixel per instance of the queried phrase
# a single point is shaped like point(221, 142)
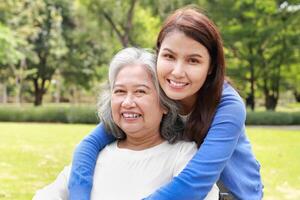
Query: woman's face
point(135, 103)
point(182, 67)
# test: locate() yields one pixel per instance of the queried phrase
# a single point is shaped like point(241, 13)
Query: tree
point(260, 34)
point(131, 22)
point(10, 55)
point(55, 36)
point(118, 14)
point(49, 44)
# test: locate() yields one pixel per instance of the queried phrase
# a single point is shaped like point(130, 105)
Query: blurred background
point(54, 56)
point(58, 50)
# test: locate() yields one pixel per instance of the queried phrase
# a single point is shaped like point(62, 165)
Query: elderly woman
point(147, 152)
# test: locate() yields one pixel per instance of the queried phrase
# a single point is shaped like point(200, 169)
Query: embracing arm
point(84, 161)
point(203, 171)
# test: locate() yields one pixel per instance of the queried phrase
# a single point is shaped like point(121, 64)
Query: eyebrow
point(136, 85)
point(191, 55)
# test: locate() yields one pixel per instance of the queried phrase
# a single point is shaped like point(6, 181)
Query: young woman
point(191, 70)
point(147, 152)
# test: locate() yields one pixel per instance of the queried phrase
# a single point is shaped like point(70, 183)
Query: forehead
point(179, 41)
point(134, 74)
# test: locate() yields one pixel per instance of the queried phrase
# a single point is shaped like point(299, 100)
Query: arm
point(202, 172)
point(58, 190)
point(186, 153)
point(84, 161)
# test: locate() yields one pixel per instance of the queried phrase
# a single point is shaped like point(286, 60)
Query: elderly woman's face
point(135, 102)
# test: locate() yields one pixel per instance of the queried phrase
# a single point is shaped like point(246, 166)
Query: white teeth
point(131, 115)
point(177, 84)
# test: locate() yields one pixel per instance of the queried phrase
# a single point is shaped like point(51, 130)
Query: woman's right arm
point(203, 170)
point(84, 161)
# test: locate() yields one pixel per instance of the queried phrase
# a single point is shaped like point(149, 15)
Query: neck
point(187, 105)
point(142, 143)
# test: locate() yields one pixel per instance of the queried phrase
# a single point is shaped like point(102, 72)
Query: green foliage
point(273, 118)
point(68, 114)
point(88, 114)
point(82, 115)
point(9, 54)
point(145, 22)
point(261, 40)
point(73, 40)
point(56, 36)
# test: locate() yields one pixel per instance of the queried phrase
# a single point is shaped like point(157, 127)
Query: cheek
point(162, 69)
point(115, 105)
point(200, 79)
point(155, 110)
point(151, 105)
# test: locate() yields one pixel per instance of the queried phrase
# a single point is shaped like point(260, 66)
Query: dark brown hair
point(194, 24)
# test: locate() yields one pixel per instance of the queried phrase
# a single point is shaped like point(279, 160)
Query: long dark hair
point(194, 24)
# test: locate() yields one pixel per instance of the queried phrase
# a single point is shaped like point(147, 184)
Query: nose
point(128, 101)
point(178, 70)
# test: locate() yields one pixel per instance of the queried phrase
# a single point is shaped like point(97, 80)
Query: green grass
point(32, 155)
point(278, 151)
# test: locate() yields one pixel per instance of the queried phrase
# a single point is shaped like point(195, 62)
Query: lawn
point(32, 154)
point(278, 151)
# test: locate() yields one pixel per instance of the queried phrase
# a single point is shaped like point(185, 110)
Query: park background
point(54, 56)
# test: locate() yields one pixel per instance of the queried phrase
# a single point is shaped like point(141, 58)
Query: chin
point(130, 131)
point(174, 96)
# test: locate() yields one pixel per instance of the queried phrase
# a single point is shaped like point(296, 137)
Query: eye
point(168, 56)
point(140, 91)
point(193, 61)
point(118, 91)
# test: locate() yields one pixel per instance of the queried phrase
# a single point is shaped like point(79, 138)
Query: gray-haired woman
point(147, 152)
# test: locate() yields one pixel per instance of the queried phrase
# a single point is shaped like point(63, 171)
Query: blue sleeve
point(198, 177)
point(84, 161)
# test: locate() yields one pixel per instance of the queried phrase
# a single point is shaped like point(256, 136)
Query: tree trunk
point(271, 94)
point(297, 96)
point(20, 75)
point(57, 92)
point(38, 98)
point(250, 99)
point(252, 90)
point(73, 92)
point(4, 95)
point(39, 91)
point(271, 102)
point(18, 90)
point(123, 33)
point(250, 102)
point(271, 91)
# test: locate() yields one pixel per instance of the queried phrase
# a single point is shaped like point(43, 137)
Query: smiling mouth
point(131, 115)
point(176, 84)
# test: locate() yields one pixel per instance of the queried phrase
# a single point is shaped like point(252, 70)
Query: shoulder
point(230, 115)
point(112, 147)
point(185, 148)
point(185, 152)
point(230, 95)
point(231, 102)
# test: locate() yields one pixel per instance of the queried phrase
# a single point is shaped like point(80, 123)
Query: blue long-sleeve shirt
point(225, 154)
